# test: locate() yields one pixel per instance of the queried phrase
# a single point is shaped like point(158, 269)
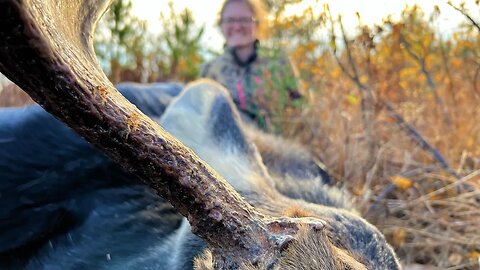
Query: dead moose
point(248, 202)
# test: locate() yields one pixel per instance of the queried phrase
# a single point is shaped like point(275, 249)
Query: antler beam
point(46, 48)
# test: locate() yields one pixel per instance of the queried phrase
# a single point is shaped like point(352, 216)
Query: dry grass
point(433, 216)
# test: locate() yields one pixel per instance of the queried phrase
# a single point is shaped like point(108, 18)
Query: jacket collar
point(233, 53)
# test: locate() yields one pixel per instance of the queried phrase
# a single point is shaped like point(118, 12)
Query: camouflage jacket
point(259, 89)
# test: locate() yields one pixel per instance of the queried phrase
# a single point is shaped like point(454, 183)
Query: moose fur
point(65, 205)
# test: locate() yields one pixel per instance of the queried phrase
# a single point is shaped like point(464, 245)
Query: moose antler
point(46, 48)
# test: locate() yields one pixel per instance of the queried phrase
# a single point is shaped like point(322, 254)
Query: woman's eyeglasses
point(240, 20)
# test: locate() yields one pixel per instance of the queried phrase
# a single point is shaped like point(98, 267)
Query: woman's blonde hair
point(259, 13)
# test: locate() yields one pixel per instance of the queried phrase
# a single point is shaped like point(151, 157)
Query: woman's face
point(238, 25)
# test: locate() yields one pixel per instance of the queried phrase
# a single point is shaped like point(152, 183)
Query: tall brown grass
point(429, 213)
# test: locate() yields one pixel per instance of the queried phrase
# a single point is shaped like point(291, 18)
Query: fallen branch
point(415, 135)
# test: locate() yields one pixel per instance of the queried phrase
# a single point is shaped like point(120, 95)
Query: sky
point(372, 11)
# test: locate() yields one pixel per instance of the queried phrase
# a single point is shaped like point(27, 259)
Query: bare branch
point(350, 56)
point(464, 13)
point(418, 138)
point(368, 99)
point(431, 84)
point(445, 62)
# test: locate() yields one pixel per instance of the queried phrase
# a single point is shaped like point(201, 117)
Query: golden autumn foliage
point(425, 198)
point(401, 182)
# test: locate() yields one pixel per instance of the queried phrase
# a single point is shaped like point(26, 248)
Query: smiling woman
point(240, 27)
point(254, 80)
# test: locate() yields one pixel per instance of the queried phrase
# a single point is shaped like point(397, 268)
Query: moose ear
point(206, 107)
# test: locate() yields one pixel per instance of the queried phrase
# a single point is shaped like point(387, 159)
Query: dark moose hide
point(65, 205)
